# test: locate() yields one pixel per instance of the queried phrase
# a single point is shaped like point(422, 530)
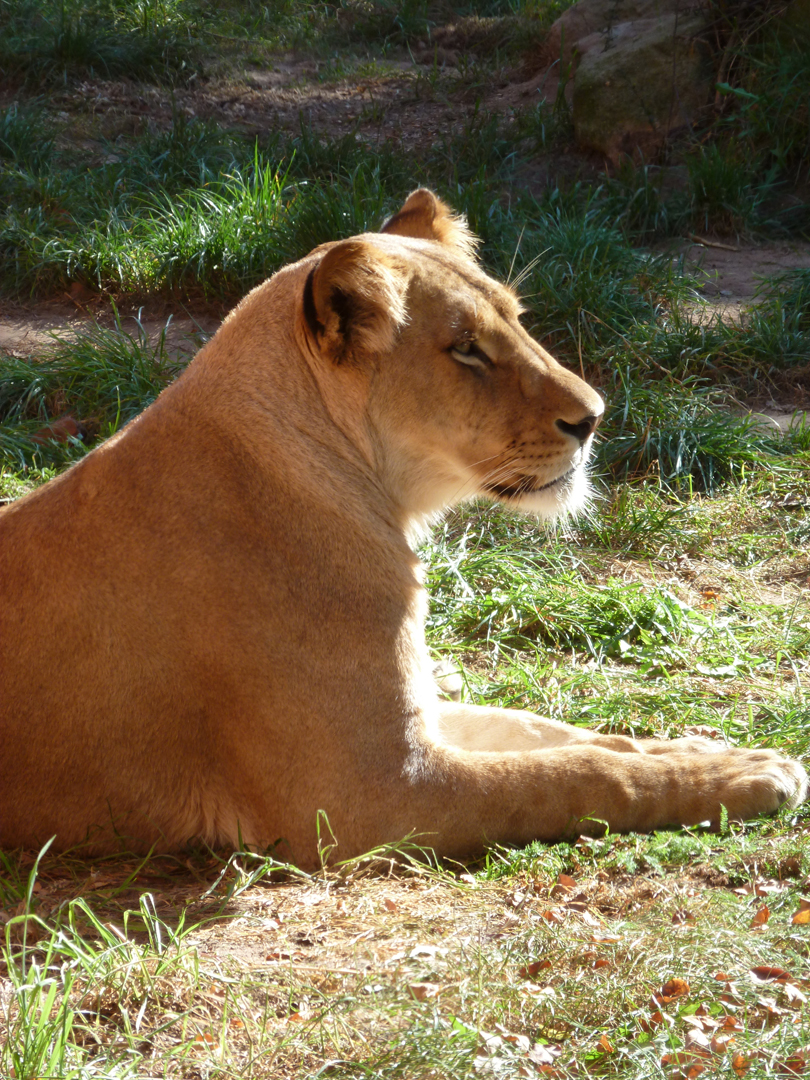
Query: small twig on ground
point(711, 243)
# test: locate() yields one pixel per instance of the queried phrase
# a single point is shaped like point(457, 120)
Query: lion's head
point(404, 328)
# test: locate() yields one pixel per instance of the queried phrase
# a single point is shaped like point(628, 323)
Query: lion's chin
point(567, 495)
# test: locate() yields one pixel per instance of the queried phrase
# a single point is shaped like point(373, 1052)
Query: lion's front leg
point(457, 799)
point(476, 727)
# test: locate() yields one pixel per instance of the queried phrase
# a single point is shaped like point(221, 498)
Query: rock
point(649, 77)
point(601, 17)
point(638, 70)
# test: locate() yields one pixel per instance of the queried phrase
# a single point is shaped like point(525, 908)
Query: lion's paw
point(761, 783)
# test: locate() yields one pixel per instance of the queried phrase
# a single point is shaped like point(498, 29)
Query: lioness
point(212, 626)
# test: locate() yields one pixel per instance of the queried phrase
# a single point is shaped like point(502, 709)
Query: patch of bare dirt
point(399, 925)
point(403, 101)
point(31, 330)
point(730, 274)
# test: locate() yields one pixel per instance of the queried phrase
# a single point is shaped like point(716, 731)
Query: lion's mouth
point(526, 485)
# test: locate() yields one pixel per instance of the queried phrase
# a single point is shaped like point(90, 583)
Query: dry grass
point(421, 972)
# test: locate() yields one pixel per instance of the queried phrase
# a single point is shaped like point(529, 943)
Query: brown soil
point(732, 273)
point(384, 918)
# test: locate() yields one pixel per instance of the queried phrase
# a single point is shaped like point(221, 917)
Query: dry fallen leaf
point(704, 730)
point(794, 994)
point(695, 1039)
point(563, 887)
point(604, 1045)
point(672, 989)
point(795, 1065)
point(690, 1064)
point(424, 991)
point(541, 1054)
point(760, 887)
point(389, 904)
point(761, 917)
point(683, 918)
point(522, 1042)
point(732, 1000)
point(702, 1020)
point(720, 1043)
point(772, 1012)
point(300, 1016)
point(530, 970)
point(790, 867)
point(740, 1064)
point(766, 973)
point(802, 916)
point(656, 1019)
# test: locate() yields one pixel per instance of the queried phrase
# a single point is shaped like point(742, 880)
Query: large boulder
point(602, 17)
point(638, 68)
point(648, 78)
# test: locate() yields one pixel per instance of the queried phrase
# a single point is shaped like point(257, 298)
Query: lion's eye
point(468, 354)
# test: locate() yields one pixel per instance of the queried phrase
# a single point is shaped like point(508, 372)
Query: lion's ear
point(426, 217)
point(354, 300)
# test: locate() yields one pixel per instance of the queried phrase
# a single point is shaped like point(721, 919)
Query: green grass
point(55, 40)
point(102, 377)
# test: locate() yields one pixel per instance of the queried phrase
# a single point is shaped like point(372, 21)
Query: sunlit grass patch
point(683, 435)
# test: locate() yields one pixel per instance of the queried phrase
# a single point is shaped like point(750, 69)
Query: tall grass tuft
point(52, 41)
point(103, 379)
point(680, 434)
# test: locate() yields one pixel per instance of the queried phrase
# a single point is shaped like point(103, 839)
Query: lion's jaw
point(427, 488)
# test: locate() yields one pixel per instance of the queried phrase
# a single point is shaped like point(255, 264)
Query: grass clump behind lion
point(212, 626)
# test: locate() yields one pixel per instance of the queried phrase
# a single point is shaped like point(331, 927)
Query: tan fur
point(212, 626)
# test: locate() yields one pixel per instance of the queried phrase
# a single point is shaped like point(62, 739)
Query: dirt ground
point(391, 925)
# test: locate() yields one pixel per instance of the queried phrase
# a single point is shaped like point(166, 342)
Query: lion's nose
point(581, 431)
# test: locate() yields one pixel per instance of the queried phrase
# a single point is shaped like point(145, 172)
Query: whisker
point(524, 273)
point(514, 256)
point(499, 472)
